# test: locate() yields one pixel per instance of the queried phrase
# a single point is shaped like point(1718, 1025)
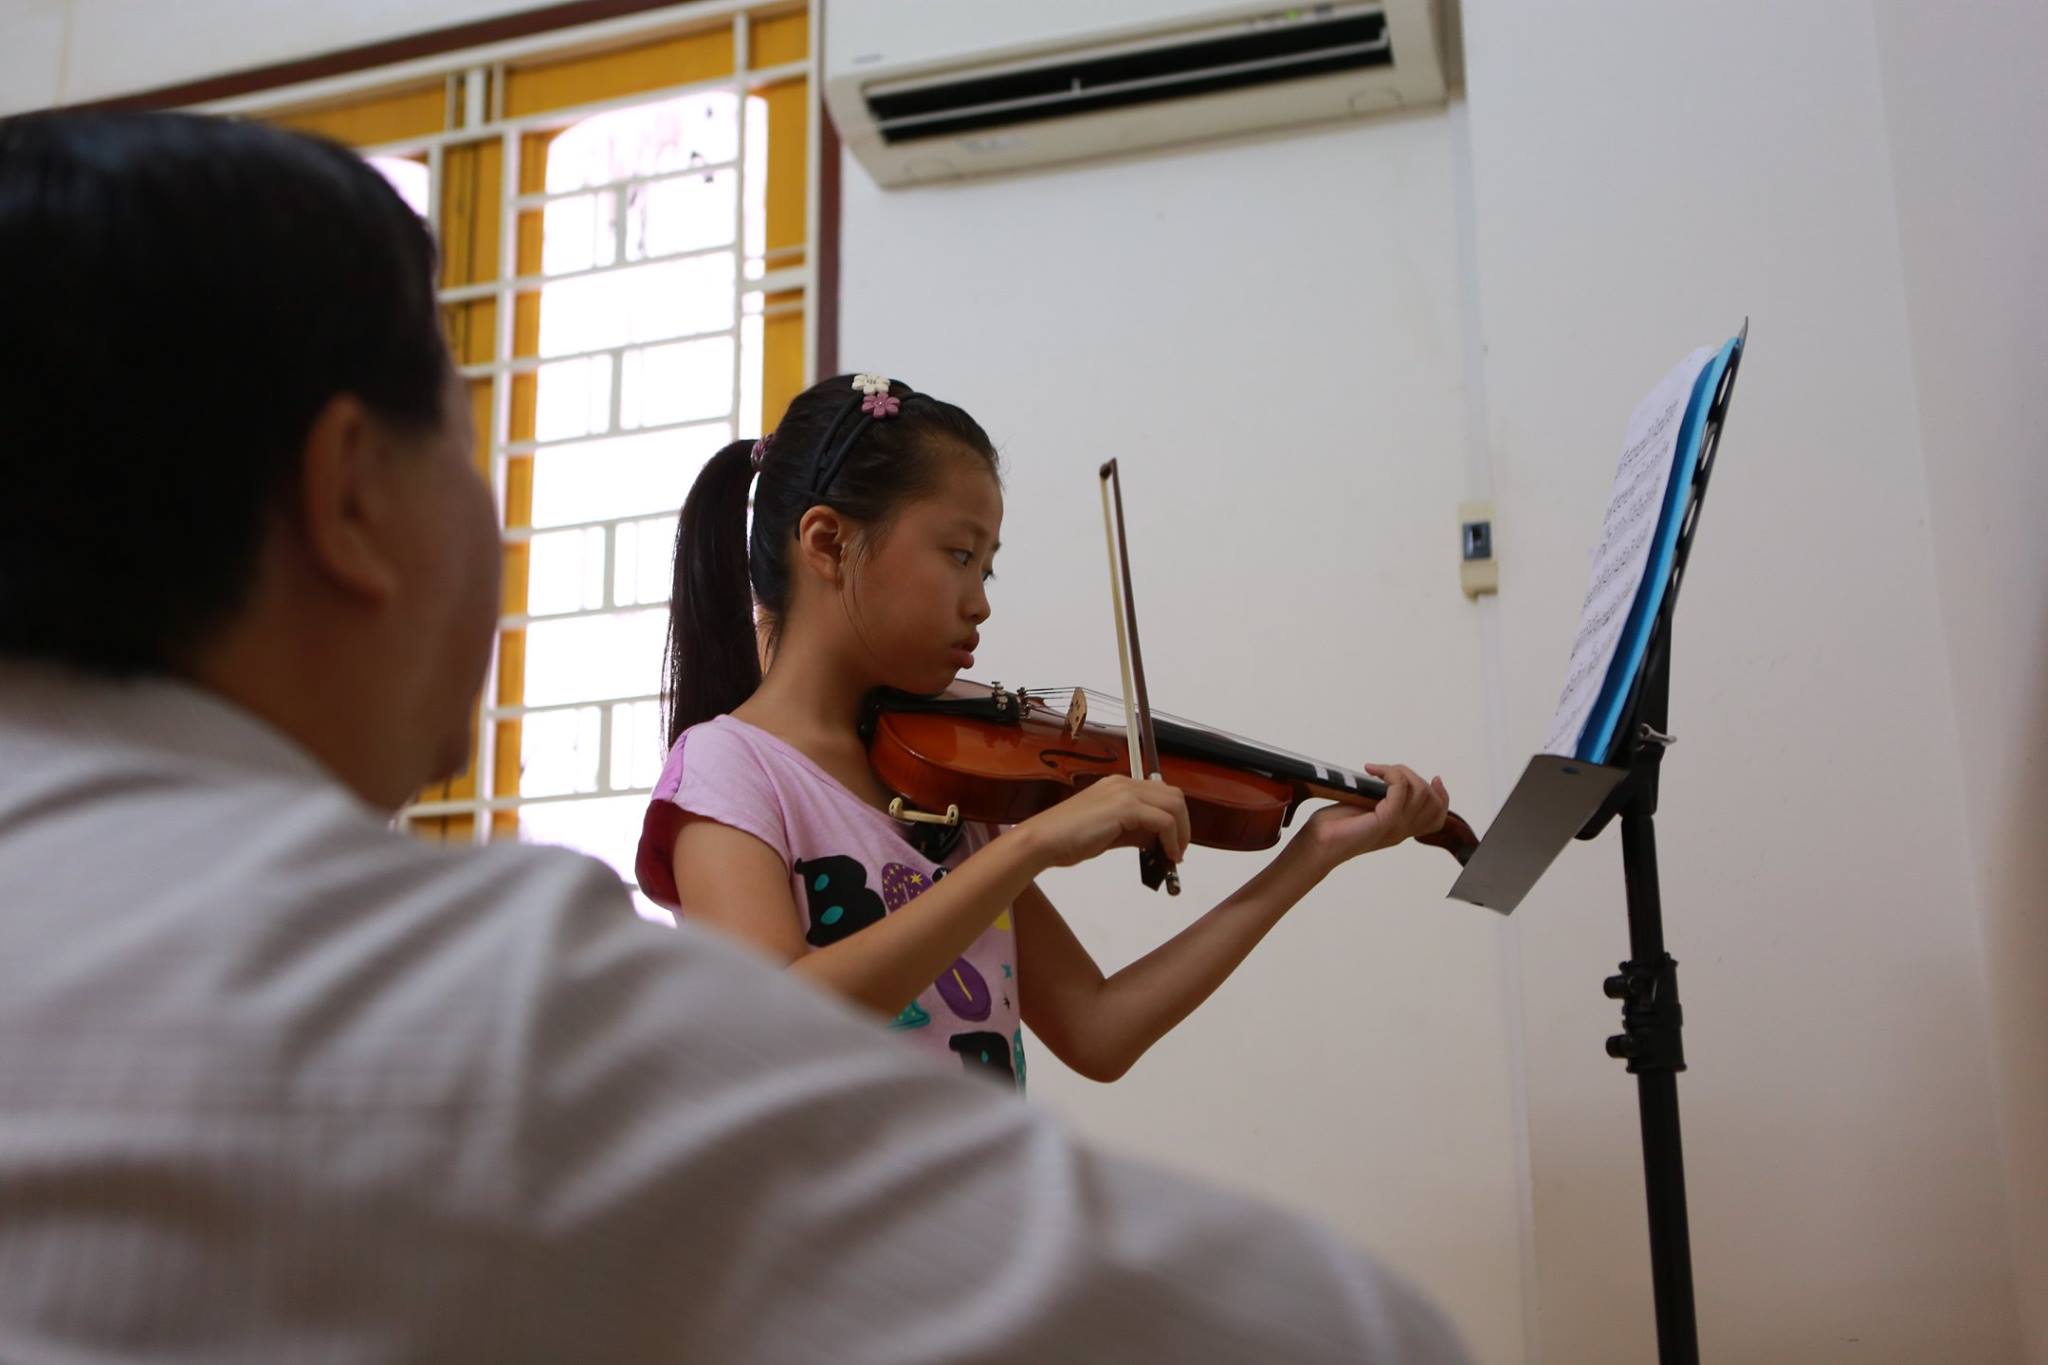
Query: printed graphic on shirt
point(965, 991)
point(984, 1052)
point(849, 870)
point(839, 900)
point(1019, 1040)
point(962, 986)
point(901, 885)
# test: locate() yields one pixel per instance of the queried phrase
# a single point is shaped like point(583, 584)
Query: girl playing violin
point(877, 514)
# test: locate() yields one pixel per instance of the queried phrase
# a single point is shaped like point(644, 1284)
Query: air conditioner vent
point(1253, 55)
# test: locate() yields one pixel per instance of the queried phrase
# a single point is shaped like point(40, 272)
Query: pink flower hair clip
point(761, 449)
point(878, 401)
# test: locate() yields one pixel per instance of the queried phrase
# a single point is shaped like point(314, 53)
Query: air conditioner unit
point(926, 90)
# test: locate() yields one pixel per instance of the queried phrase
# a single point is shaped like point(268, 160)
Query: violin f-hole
point(1047, 756)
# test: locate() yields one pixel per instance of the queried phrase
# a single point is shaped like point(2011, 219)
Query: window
point(626, 280)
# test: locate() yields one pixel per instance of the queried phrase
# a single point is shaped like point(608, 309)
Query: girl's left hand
point(1410, 807)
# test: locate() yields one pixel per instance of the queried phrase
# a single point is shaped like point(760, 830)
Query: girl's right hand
point(1110, 812)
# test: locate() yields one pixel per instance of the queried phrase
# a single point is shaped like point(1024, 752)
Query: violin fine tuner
point(899, 811)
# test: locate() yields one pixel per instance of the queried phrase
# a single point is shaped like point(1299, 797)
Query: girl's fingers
point(1178, 807)
point(1412, 806)
point(1151, 824)
point(1174, 839)
point(1175, 836)
point(1395, 803)
point(1429, 810)
point(1169, 799)
point(1393, 774)
point(1145, 812)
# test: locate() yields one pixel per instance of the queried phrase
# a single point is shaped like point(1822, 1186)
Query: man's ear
point(822, 540)
point(347, 500)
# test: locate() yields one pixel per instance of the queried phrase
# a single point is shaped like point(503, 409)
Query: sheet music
point(1640, 483)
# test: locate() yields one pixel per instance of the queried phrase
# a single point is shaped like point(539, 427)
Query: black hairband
point(876, 404)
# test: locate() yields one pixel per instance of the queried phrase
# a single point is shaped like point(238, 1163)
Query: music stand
point(1559, 799)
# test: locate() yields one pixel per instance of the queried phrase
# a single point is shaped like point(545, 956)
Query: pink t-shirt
point(849, 866)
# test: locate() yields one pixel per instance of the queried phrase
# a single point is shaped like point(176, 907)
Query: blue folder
point(1597, 739)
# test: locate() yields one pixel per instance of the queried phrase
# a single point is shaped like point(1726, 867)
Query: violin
point(981, 753)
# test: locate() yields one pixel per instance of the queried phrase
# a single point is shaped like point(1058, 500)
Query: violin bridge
point(899, 811)
point(1077, 714)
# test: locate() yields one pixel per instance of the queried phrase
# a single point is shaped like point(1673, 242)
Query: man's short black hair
point(179, 297)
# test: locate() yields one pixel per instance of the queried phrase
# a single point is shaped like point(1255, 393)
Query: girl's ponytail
point(714, 660)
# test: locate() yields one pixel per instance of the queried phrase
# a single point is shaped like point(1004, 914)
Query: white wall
point(1967, 109)
point(1641, 178)
point(74, 51)
point(31, 52)
point(1644, 176)
point(1267, 336)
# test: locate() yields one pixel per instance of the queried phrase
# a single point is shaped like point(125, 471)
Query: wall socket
point(1478, 570)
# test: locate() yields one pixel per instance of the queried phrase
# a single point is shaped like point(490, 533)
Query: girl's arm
point(1100, 1027)
point(730, 879)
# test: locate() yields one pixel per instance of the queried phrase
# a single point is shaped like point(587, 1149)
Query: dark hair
point(179, 297)
point(721, 573)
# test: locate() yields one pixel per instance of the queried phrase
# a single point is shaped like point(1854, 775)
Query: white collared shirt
point(277, 1084)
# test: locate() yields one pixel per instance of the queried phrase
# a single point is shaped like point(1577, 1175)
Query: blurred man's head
point(232, 446)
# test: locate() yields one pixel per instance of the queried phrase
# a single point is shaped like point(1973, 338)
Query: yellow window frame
point(465, 123)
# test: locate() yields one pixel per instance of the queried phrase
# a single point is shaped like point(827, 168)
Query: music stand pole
point(1651, 1020)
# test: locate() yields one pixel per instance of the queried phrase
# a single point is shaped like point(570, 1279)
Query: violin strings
point(1051, 694)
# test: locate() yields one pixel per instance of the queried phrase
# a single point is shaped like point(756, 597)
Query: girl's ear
point(822, 541)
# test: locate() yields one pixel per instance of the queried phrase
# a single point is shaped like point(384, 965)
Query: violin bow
point(1154, 869)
